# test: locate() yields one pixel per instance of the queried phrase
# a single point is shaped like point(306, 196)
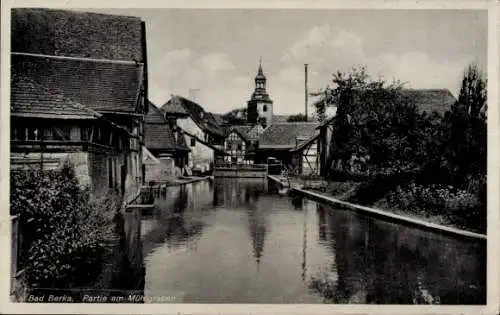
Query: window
point(85, 133)
point(26, 133)
point(193, 141)
point(239, 147)
point(264, 108)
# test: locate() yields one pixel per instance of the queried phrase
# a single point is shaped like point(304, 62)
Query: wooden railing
point(241, 166)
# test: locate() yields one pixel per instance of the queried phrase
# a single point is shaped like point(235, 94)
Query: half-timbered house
point(294, 144)
point(96, 61)
point(236, 144)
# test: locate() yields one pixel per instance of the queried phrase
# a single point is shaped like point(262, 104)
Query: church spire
point(260, 73)
point(260, 106)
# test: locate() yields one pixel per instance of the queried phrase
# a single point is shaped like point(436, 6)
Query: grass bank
point(446, 207)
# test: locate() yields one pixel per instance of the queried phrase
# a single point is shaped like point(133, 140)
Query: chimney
point(305, 87)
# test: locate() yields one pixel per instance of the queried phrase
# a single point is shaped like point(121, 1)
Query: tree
point(236, 116)
point(466, 148)
point(322, 103)
point(371, 121)
point(298, 117)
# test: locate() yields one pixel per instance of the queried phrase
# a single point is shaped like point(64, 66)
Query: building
point(203, 135)
point(285, 141)
point(49, 130)
point(166, 144)
point(305, 156)
point(96, 61)
point(260, 106)
point(236, 145)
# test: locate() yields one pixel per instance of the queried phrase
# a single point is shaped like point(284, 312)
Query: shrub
point(62, 230)
point(458, 206)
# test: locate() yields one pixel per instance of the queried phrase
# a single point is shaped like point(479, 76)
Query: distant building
point(236, 145)
point(166, 143)
point(260, 106)
point(203, 135)
point(293, 144)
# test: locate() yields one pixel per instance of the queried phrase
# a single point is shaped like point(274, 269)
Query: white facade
point(235, 147)
point(200, 153)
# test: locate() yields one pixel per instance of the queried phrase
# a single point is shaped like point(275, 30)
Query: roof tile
point(202, 118)
point(76, 34)
point(102, 86)
point(32, 99)
point(286, 134)
point(429, 100)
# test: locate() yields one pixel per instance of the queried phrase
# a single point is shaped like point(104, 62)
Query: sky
point(217, 51)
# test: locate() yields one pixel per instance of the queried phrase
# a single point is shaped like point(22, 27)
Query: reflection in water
point(379, 262)
point(169, 225)
point(234, 242)
point(234, 192)
point(257, 219)
point(131, 275)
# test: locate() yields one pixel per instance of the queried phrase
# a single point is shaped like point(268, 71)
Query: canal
point(236, 241)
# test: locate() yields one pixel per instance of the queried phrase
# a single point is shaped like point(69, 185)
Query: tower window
point(193, 141)
point(264, 108)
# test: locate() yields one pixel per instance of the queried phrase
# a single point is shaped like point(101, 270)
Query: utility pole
point(305, 86)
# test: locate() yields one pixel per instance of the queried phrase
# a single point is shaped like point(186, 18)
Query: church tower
point(260, 106)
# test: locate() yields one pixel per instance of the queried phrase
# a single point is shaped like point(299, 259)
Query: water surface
point(234, 241)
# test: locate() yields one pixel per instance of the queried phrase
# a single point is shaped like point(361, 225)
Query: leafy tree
point(236, 116)
point(298, 117)
point(466, 124)
point(370, 123)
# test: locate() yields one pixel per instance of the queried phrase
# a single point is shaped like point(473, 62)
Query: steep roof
point(218, 118)
point(285, 135)
point(429, 100)
point(305, 143)
point(154, 115)
point(158, 134)
point(255, 131)
point(242, 130)
point(174, 107)
point(205, 121)
point(159, 137)
point(76, 34)
point(32, 99)
point(100, 85)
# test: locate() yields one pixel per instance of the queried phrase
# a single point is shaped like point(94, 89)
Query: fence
point(240, 170)
point(241, 166)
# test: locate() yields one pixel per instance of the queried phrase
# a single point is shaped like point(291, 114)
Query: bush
point(62, 230)
point(458, 206)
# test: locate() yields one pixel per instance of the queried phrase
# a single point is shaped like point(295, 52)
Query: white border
point(493, 166)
